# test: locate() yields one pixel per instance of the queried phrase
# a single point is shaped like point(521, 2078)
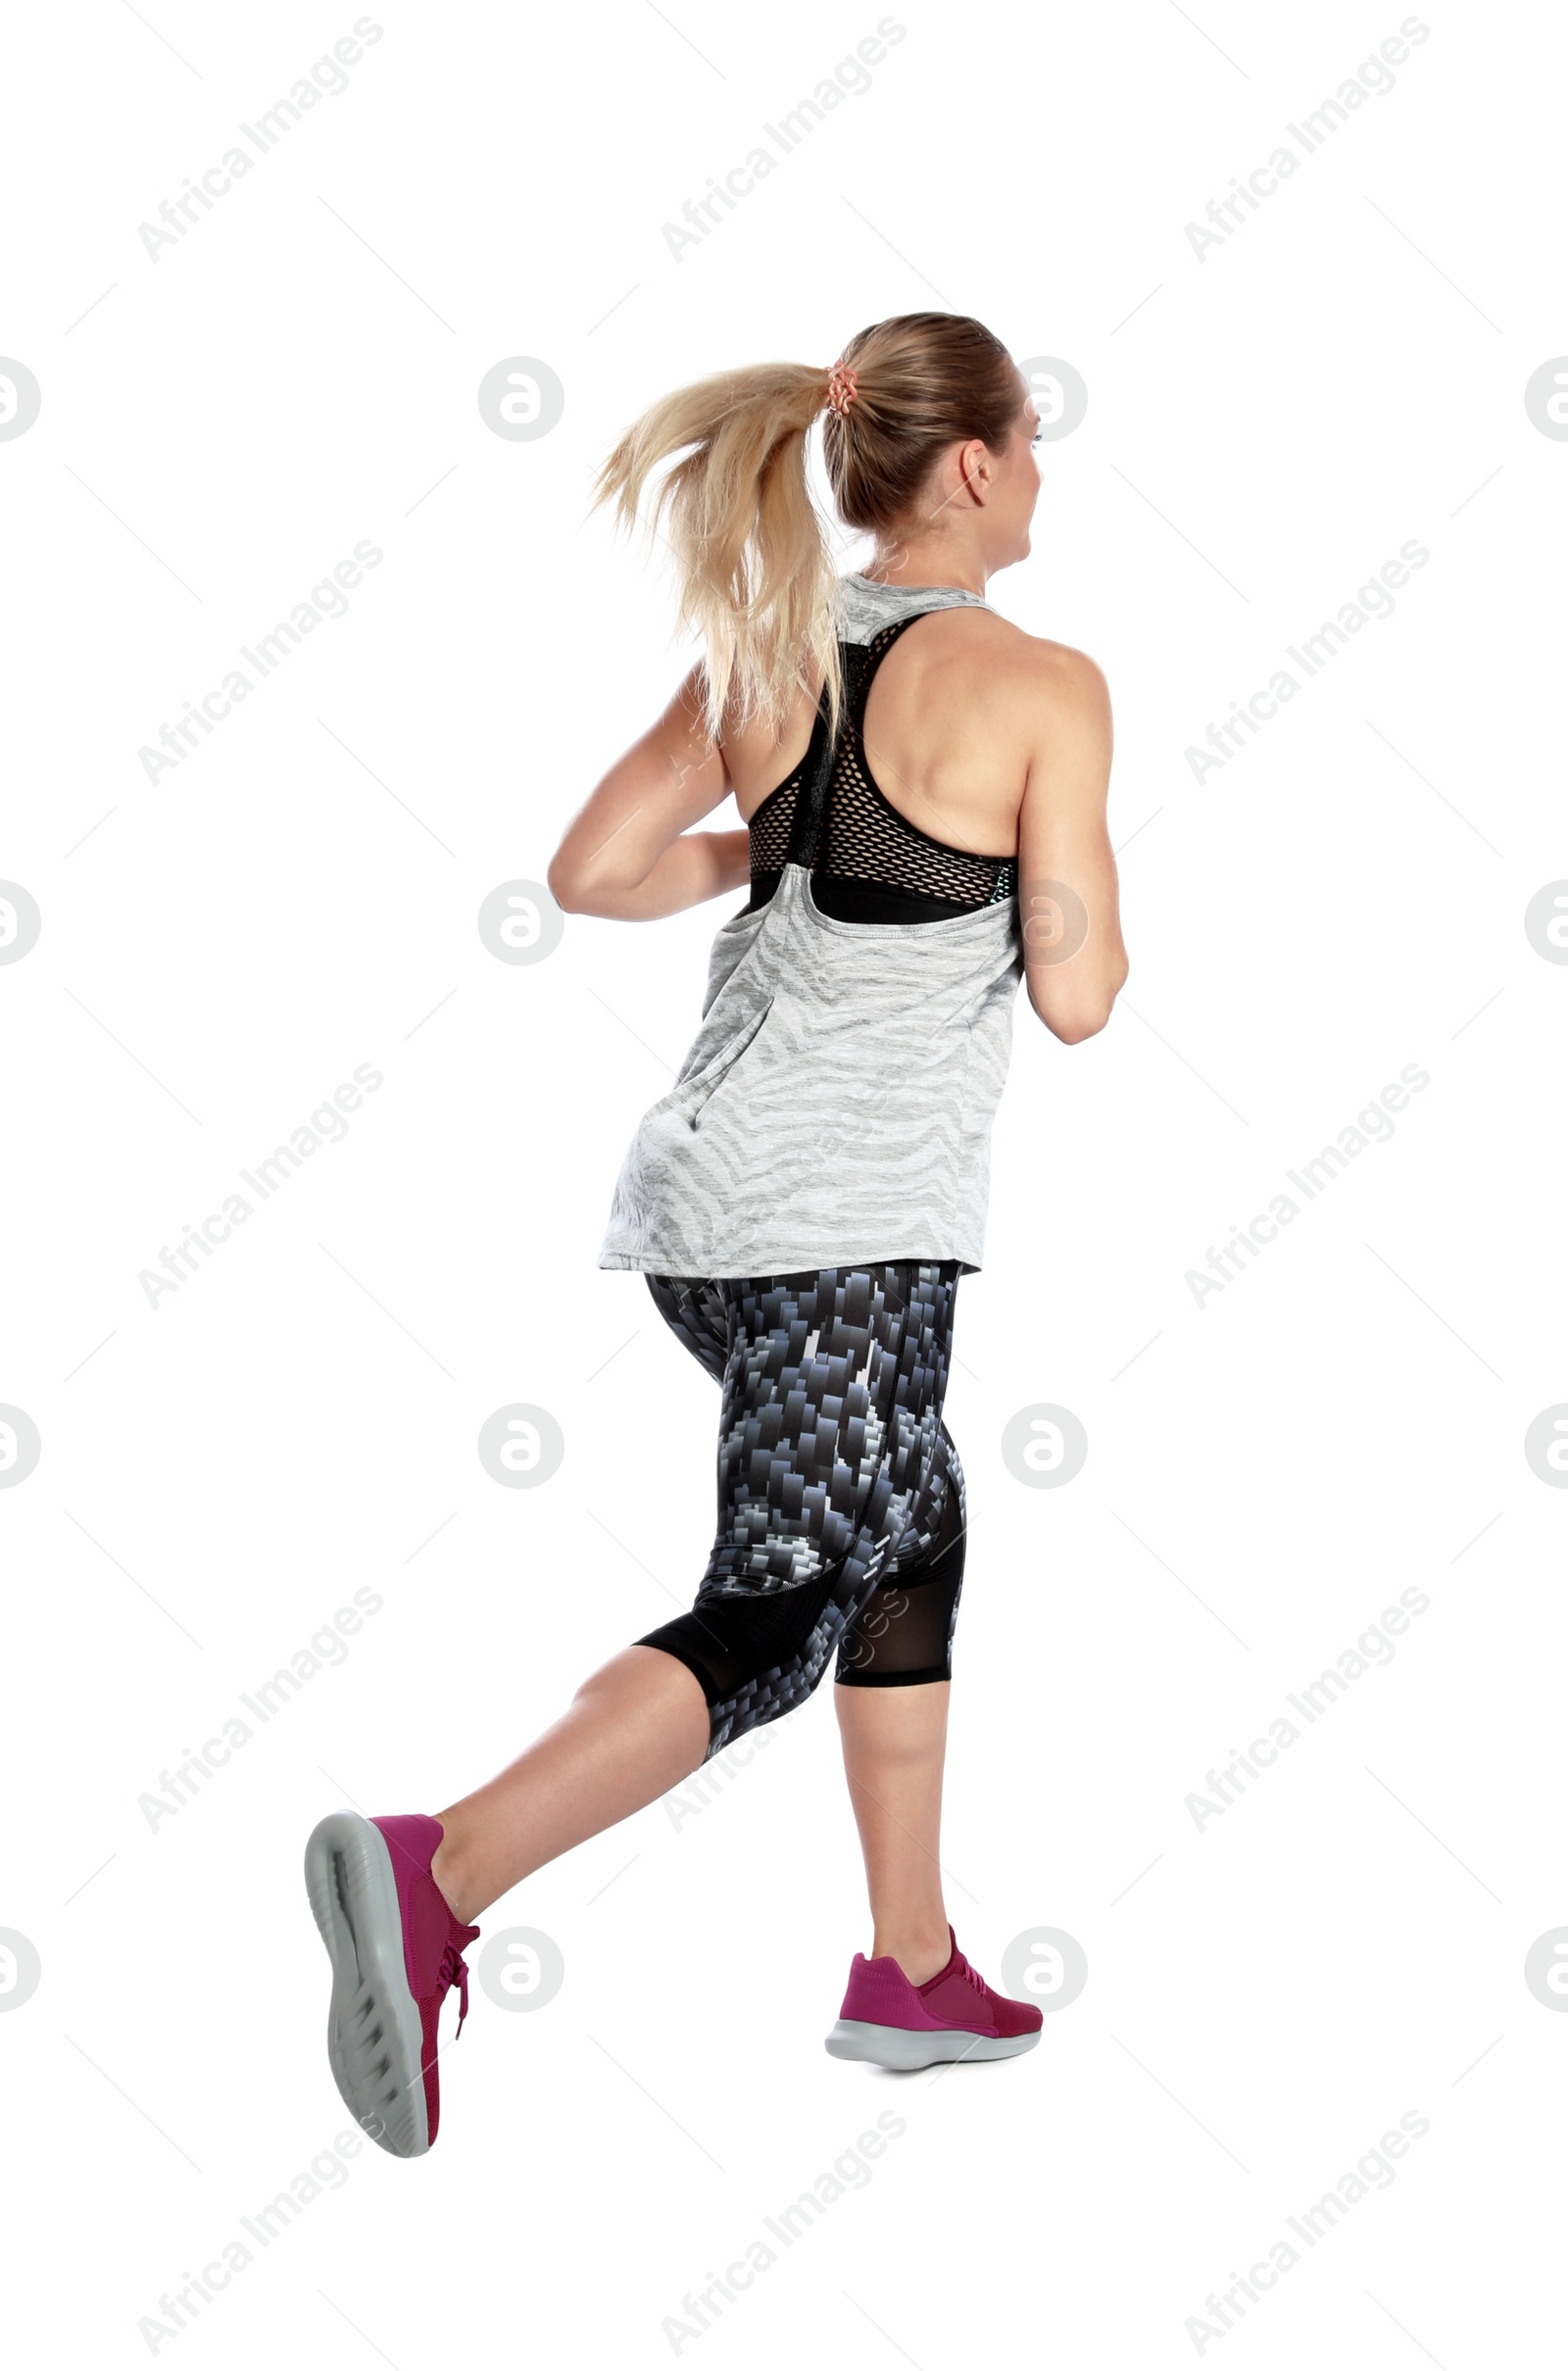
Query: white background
point(221, 948)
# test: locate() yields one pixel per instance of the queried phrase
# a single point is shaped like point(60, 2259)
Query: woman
point(923, 792)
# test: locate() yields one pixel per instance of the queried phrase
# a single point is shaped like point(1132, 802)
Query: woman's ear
point(974, 460)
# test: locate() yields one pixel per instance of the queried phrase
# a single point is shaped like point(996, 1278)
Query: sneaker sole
point(900, 2047)
point(374, 2035)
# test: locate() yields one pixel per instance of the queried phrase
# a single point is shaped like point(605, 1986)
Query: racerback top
point(837, 1101)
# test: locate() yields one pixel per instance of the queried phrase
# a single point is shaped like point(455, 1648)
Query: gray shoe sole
point(894, 2046)
point(374, 2038)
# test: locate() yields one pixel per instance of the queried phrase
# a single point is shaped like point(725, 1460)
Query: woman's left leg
point(634, 1729)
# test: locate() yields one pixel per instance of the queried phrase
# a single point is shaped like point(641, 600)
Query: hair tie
point(842, 387)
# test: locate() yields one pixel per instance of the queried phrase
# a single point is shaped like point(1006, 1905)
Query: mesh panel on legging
point(832, 1460)
point(903, 1637)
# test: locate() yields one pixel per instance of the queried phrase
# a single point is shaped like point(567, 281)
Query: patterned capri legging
point(841, 1502)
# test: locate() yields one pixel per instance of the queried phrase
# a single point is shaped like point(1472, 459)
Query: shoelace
point(455, 1970)
point(971, 1976)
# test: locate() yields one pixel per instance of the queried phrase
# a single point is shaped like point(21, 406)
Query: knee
point(604, 1682)
point(900, 1728)
point(633, 1678)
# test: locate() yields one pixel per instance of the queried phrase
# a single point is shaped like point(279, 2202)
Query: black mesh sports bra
point(868, 864)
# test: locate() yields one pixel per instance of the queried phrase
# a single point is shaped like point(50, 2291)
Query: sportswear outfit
point(804, 1200)
point(801, 1202)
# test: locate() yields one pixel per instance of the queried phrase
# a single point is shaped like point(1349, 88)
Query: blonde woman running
point(922, 793)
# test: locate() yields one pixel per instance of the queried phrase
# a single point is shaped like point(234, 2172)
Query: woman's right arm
point(1074, 959)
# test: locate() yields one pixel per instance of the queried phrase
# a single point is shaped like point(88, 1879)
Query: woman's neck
point(929, 561)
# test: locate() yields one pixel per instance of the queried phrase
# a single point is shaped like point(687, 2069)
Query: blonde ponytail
point(757, 581)
point(756, 576)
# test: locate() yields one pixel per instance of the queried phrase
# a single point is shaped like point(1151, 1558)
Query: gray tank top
point(837, 1102)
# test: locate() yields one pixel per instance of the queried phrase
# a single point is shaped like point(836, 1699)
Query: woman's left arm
point(629, 852)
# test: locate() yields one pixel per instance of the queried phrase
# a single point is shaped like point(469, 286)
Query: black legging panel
point(841, 1503)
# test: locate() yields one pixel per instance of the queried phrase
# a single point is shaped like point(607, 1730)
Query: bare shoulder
point(1071, 685)
point(1064, 706)
point(1067, 682)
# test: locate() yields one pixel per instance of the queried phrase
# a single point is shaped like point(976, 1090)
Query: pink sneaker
point(954, 2014)
point(396, 1951)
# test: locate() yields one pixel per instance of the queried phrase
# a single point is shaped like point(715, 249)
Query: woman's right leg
point(895, 1741)
point(893, 1674)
